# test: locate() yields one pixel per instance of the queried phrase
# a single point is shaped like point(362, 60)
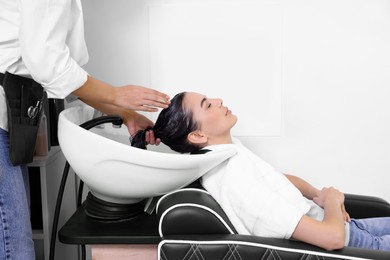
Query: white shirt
point(43, 39)
point(257, 199)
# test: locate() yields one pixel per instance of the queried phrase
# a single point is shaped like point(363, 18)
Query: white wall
point(332, 68)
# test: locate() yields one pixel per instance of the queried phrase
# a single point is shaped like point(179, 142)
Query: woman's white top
point(43, 39)
point(257, 199)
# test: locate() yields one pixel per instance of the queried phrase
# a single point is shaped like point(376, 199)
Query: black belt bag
point(24, 99)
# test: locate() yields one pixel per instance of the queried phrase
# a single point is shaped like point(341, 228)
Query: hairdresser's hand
point(135, 122)
point(140, 98)
point(131, 119)
point(132, 97)
point(151, 139)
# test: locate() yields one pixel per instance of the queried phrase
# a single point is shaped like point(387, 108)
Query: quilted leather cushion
point(231, 252)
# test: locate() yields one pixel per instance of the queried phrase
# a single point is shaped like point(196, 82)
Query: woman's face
point(214, 119)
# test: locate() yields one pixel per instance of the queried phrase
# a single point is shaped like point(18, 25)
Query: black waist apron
point(24, 98)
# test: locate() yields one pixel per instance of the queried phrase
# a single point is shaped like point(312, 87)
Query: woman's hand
point(329, 195)
point(345, 213)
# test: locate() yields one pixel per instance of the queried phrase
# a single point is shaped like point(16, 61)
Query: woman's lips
point(228, 112)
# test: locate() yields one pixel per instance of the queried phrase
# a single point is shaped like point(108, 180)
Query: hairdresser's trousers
point(15, 228)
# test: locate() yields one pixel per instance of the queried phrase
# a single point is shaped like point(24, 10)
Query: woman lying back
point(258, 199)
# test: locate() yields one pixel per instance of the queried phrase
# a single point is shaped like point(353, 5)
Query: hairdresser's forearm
point(107, 109)
point(95, 91)
point(307, 190)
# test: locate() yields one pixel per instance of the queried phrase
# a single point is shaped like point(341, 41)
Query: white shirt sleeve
point(52, 44)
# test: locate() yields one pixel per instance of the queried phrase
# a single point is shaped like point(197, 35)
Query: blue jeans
point(372, 233)
point(15, 227)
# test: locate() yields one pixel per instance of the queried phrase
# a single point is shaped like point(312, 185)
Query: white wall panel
point(226, 51)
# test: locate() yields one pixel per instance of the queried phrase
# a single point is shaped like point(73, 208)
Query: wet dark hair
point(172, 127)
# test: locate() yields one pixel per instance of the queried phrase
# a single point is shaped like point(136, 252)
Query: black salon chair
point(193, 226)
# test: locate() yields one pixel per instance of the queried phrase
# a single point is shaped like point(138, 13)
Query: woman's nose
point(218, 102)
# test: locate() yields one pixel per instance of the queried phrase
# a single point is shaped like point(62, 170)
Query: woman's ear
point(197, 137)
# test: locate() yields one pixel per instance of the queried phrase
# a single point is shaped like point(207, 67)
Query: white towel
point(257, 199)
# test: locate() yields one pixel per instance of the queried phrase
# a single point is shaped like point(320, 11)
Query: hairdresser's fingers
point(158, 98)
point(151, 105)
point(153, 100)
point(147, 137)
point(135, 121)
point(140, 98)
point(146, 108)
point(151, 139)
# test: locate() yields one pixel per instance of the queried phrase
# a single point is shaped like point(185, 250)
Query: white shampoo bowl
point(116, 172)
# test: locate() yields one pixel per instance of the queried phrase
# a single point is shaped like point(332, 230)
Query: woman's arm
point(307, 190)
point(329, 233)
point(310, 192)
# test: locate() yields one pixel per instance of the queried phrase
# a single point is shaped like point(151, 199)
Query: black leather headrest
point(191, 211)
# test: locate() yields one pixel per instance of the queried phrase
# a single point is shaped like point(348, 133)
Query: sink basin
point(116, 172)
